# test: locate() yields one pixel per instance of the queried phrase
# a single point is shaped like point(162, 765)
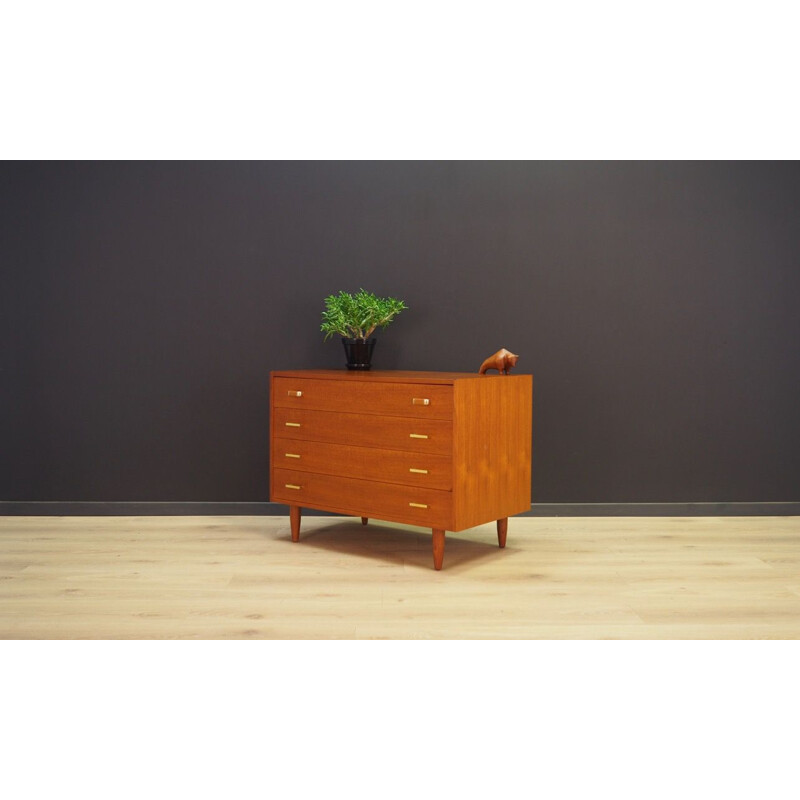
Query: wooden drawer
point(364, 430)
point(422, 401)
point(409, 504)
point(390, 466)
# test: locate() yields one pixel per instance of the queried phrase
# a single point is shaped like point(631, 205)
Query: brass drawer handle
point(292, 424)
point(291, 455)
point(294, 394)
point(420, 471)
point(418, 435)
point(292, 486)
point(420, 401)
point(418, 505)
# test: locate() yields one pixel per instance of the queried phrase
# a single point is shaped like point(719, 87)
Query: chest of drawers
point(443, 450)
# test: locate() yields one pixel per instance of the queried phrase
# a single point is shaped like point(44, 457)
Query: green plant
point(356, 316)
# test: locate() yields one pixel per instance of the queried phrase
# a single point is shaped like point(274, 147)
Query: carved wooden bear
point(502, 361)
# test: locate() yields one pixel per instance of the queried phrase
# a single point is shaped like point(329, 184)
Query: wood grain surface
point(414, 505)
point(365, 397)
point(388, 375)
point(364, 430)
point(243, 578)
point(491, 449)
point(392, 466)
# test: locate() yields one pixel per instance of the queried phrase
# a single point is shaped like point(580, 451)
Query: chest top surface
point(390, 376)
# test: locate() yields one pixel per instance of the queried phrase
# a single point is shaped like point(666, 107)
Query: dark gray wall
point(656, 304)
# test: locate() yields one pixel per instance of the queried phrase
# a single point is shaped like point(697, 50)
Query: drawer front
point(364, 430)
point(413, 505)
point(422, 401)
point(390, 466)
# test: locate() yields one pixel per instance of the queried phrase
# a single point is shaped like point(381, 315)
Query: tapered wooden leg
point(294, 519)
point(364, 520)
point(502, 530)
point(438, 548)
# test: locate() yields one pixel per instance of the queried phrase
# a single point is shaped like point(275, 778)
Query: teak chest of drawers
point(444, 450)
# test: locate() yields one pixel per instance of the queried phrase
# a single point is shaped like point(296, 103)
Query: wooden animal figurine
point(502, 361)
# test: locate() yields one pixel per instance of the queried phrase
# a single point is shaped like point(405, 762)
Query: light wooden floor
point(242, 577)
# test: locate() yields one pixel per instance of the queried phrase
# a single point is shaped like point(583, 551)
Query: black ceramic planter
point(359, 352)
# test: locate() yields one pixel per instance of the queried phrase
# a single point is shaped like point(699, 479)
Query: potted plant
point(355, 318)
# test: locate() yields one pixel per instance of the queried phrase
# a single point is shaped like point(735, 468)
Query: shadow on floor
point(397, 544)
